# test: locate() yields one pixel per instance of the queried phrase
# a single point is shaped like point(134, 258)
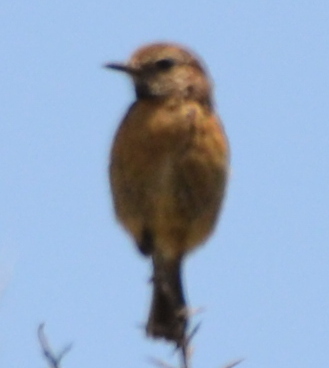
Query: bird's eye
point(165, 64)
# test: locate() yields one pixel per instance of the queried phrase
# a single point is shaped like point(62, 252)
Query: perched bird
point(168, 172)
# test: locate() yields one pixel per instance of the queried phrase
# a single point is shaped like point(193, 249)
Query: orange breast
point(168, 173)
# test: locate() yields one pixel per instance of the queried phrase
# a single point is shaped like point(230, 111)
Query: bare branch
point(160, 363)
point(234, 363)
point(52, 359)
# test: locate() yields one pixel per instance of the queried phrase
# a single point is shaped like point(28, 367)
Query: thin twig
point(53, 360)
point(234, 363)
point(160, 363)
point(185, 355)
point(193, 333)
point(195, 311)
point(186, 350)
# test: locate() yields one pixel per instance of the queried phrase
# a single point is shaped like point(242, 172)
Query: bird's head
point(166, 70)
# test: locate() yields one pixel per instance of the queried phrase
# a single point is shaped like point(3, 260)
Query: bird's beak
point(121, 67)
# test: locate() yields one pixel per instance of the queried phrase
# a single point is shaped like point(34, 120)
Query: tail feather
point(168, 315)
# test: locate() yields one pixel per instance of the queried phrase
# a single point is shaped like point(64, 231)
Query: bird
point(168, 172)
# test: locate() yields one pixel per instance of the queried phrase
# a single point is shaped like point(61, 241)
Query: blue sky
point(262, 278)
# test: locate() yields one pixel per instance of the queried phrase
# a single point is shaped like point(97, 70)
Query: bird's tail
point(168, 316)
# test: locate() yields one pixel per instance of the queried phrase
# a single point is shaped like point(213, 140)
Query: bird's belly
point(185, 202)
